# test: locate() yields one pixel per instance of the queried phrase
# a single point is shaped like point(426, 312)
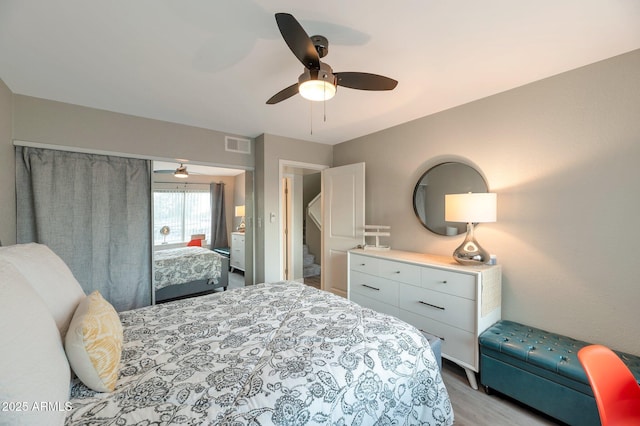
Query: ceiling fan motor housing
point(325, 73)
point(321, 44)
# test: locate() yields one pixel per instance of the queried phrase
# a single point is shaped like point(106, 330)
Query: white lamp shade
point(470, 208)
point(239, 211)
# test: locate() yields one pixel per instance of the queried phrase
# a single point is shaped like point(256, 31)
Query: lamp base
point(470, 252)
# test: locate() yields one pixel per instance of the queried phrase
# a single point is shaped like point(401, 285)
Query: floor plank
point(313, 281)
point(476, 408)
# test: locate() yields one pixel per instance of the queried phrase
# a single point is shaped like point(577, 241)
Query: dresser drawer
point(399, 271)
point(374, 304)
point(456, 283)
point(457, 345)
point(365, 264)
point(442, 307)
point(374, 287)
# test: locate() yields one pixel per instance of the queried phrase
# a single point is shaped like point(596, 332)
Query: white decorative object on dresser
point(236, 256)
point(433, 293)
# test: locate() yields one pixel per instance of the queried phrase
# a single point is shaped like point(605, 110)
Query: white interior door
point(342, 222)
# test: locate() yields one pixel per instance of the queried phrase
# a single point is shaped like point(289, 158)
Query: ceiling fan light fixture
point(317, 85)
point(181, 172)
point(317, 90)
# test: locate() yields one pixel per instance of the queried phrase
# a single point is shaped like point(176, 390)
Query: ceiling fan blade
point(283, 94)
point(298, 41)
point(365, 81)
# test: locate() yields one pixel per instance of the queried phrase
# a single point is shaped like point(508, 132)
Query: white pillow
point(33, 366)
point(50, 278)
point(94, 343)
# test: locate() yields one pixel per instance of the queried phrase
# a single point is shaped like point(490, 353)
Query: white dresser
point(236, 255)
point(433, 293)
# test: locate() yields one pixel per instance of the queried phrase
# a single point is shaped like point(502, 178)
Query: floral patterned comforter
point(280, 353)
point(185, 264)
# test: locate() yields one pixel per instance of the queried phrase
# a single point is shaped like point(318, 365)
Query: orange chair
point(615, 388)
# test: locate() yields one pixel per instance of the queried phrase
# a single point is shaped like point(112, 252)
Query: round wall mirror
point(428, 195)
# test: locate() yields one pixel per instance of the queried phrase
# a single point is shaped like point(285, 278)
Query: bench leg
point(471, 376)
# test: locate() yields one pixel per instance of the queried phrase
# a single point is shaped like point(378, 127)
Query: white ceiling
point(213, 64)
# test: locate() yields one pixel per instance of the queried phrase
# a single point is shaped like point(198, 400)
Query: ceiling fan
point(318, 82)
point(179, 172)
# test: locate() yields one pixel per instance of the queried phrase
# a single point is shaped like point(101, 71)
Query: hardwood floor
point(236, 279)
point(313, 281)
point(476, 408)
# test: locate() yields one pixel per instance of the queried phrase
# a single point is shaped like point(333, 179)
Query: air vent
point(239, 145)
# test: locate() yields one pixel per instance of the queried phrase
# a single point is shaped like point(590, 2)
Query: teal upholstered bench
point(542, 370)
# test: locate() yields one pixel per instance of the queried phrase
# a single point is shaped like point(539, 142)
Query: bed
point(275, 353)
point(187, 271)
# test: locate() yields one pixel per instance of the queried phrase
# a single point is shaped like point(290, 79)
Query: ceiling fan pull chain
point(324, 104)
point(311, 116)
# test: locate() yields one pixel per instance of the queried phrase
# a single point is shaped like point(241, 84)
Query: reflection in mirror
point(182, 211)
point(428, 195)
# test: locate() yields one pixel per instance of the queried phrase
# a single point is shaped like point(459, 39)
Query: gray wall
point(259, 208)
point(238, 198)
point(270, 150)
point(40, 120)
point(563, 155)
point(7, 170)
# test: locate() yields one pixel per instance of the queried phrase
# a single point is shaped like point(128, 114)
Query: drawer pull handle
point(397, 272)
point(372, 288)
point(443, 282)
point(363, 264)
point(428, 332)
point(433, 306)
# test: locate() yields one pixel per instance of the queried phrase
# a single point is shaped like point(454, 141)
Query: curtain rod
point(17, 142)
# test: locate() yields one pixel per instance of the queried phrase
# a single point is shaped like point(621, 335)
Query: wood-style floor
point(476, 408)
point(313, 281)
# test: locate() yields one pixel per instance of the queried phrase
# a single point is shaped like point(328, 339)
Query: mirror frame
point(438, 225)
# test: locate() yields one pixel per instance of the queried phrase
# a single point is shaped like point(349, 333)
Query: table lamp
point(240, 213)
point(471, 208)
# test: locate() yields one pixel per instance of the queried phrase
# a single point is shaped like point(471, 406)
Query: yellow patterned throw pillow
point(94, 343)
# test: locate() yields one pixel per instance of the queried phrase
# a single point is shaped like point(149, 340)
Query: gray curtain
point(94, 212)
point(218, 217)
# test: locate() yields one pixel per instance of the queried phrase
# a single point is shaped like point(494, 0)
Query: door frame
point(283, 173)
point(287, 225)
